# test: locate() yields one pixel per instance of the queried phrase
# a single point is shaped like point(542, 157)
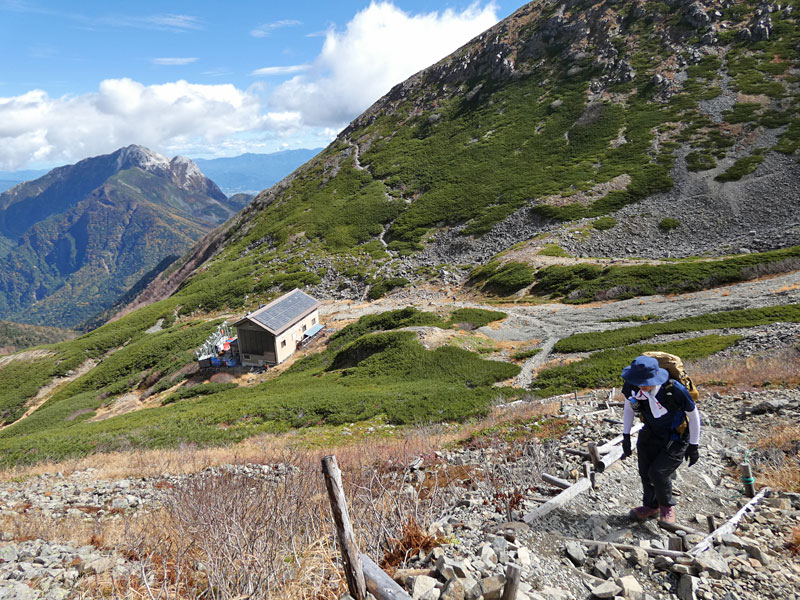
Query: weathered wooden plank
point(556, 481)
point(380, 584)
point(344, 529)
point(578, 487)
point(729, 526)
point(614, 441)
point(511, 587)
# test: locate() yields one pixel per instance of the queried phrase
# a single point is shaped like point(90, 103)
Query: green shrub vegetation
point(633, 318)
point(205, 389)
point(361, 375)
point(602, 369)
point(743, 166)
point(553, 250)
point(384, 286)
point(477, 317)
point(604, 223)
point(700, 161)
point(668, 224)
point(503, 279)
point(752, 317)
point(585, 282)
point(19, 382)
point(525, 354)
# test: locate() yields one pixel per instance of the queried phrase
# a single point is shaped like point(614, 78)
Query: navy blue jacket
point(676, 399)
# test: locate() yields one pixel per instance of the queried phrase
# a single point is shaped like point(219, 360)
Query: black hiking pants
point(658, 460)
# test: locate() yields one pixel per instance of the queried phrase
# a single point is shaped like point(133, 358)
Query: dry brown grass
point(781, 367)
point(778, 454)
point(231, 535)
point(786, 288)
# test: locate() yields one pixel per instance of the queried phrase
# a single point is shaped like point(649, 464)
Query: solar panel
point(283, 312)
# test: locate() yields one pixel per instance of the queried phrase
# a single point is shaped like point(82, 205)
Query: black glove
point(692, 454)
point(626, 445)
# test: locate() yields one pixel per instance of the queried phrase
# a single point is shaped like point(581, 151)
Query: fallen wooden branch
point(729, 526)
point(568, 494)
point(556, 481)
point(575, 451)
point(379, 583)
point(675, 528)
point(630, 548)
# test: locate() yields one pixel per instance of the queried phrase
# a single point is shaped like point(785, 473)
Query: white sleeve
point(694, 426)
point(627, 418)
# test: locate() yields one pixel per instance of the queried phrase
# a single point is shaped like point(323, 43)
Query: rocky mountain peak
point(144, 158)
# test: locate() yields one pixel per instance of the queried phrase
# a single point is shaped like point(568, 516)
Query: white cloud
point(35, 128)
point(267, 28)
point(380, 47)
point(173, 61)
point(168, 22)
point(281, 70)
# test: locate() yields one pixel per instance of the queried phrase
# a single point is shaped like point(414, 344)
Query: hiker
point(664, 405)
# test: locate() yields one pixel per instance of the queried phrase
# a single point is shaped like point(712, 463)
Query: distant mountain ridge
point(82, 235)
point(252, 173)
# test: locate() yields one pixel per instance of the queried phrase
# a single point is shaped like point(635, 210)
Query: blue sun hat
point(644, 370)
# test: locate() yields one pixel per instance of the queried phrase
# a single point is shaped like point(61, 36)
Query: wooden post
point(710, 522)
point(594, 456)
point(747, 479)
point(513, 573)
point(576, 396)
point(380, 584)
point(344, 530)
point(556, 481)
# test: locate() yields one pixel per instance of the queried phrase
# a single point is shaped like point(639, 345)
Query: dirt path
point(551, 322)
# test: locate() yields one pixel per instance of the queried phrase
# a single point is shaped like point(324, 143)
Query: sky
point(209, 78)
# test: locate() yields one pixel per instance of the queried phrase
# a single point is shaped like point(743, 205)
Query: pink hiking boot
point(667, 514)
point(642, 513)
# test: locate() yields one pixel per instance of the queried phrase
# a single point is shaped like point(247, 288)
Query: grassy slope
point(435, 159)
point(361, 375)
point(466, 158)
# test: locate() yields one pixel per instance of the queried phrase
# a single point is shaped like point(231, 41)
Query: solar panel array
point(277, 316)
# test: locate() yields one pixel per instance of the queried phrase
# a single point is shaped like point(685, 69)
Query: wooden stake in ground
point(353, 569)
point(511, 587)
point(747, 479)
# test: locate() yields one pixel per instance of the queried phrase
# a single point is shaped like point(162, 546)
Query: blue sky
point(208, 79)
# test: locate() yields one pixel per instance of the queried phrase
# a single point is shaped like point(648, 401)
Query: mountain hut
point(271, 334)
